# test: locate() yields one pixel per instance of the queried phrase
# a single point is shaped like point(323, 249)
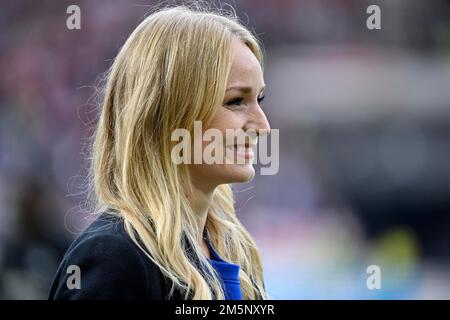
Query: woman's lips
point(243, 151)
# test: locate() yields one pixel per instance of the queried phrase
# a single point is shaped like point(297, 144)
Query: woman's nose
point(257, 122)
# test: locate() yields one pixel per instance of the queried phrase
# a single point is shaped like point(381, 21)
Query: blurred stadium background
point(364, 119)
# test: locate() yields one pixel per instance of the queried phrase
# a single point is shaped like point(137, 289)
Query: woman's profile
point(168, 230)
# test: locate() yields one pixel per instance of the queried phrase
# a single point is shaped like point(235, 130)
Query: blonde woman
point(169, 230)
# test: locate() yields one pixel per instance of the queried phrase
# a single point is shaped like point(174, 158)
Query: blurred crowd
point(364, 120)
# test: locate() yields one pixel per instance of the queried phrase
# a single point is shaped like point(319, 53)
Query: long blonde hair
point(171, 71)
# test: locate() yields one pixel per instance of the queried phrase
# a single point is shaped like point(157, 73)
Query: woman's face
point(241, 112)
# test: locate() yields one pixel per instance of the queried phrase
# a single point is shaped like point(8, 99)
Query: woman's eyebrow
point(243, 89)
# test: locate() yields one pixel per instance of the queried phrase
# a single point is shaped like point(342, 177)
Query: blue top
point(229, 274)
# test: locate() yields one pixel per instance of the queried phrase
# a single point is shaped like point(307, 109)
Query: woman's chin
point(241, 173)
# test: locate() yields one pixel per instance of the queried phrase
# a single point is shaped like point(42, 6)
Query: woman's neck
point(200, 200)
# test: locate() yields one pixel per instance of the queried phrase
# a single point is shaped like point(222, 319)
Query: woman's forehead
point(245, 69)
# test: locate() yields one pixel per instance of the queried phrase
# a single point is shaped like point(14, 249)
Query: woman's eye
point(234, 102)
point(239, 101)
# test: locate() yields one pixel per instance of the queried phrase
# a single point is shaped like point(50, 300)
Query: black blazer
point(111, 266)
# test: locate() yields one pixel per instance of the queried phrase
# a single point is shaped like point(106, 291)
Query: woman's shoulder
point(106, 232)
point(103, 262)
